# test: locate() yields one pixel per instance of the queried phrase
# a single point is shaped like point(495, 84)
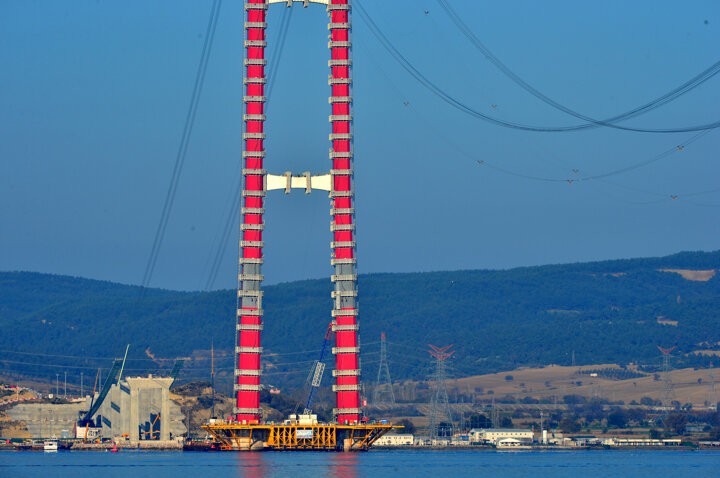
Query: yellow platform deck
point(318, 436)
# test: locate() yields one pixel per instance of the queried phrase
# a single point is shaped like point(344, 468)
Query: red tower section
point(345, 323)
point(249, 308)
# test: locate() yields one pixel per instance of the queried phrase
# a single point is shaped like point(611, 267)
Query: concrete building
point(495, 435)
point(140, 408)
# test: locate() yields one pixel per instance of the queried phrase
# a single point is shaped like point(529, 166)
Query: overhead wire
point(183, 147)
point(663, 196)
point(570, 180)
point(678, 148)
point(673, 94)
point(465, 108)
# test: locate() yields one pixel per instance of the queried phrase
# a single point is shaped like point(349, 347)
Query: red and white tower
point(338, 182)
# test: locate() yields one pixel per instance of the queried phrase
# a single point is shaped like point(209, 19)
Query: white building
point(512, 443)
point(406, 439)
point(495, 435)
point(641, 442)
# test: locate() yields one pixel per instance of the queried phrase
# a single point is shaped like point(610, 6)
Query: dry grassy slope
point(197, 401)
point(11, 428)
point(200, 410)
point(557, 381)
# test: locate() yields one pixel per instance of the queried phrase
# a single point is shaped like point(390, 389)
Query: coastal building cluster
point(515, 438)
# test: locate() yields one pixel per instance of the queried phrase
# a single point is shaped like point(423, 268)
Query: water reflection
point(251, 464)
point(344, 464)
point(271, 464)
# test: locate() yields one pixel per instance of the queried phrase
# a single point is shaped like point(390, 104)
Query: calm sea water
point(374, 464)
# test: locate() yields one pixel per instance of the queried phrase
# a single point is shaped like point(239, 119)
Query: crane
point(86, 417)
point(316, 372)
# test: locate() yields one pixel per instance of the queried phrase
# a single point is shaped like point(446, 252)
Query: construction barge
point(301, 433)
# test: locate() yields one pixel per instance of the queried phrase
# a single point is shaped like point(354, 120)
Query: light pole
point(65, 386)
point(57, 384)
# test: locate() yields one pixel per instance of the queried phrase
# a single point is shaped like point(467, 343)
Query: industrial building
point(496, 435)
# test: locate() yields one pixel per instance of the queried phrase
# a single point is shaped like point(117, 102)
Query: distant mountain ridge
point(611, 311)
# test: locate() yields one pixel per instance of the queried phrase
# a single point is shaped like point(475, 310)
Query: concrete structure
point(45, 420)
point(495, 435)
point(140, 409)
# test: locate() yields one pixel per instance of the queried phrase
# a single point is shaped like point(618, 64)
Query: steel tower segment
point(345, 311)
point(249, 301)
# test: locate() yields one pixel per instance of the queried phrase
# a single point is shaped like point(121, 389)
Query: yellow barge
point(296, 435)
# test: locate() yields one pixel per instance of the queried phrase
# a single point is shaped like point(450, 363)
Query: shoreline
point(182, 447)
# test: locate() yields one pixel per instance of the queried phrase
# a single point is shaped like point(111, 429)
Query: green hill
point(612, 311)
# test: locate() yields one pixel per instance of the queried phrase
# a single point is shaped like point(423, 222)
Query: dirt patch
point(693, 275)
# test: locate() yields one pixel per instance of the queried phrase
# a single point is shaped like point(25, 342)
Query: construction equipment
point(152, 433)
point(347, 429)
point(317, 370)
point(176, 369)
point(86, 417)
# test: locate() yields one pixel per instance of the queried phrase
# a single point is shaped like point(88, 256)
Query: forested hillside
point(613, 311)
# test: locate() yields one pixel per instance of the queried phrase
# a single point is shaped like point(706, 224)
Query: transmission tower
point(668, 392)
point(383, 393)
point(712, 397)
point(439, 404)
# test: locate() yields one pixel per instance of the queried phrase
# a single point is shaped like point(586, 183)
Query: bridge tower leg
point(345, 322)
point(249, 301)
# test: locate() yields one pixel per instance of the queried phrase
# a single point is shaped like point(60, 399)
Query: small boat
point(114, 448)
point(50, 445)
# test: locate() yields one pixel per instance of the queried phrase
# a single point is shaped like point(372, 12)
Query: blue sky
point(93, 98)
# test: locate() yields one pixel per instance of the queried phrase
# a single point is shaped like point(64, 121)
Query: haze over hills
point(601, 312)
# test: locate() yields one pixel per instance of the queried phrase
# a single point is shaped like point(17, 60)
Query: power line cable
point(184, 142)
point(674, 150)
point(658, 157)
point(660, 101)
point(459, 105)
point(234, 203)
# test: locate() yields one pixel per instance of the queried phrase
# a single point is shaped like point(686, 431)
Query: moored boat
point(50, 445)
